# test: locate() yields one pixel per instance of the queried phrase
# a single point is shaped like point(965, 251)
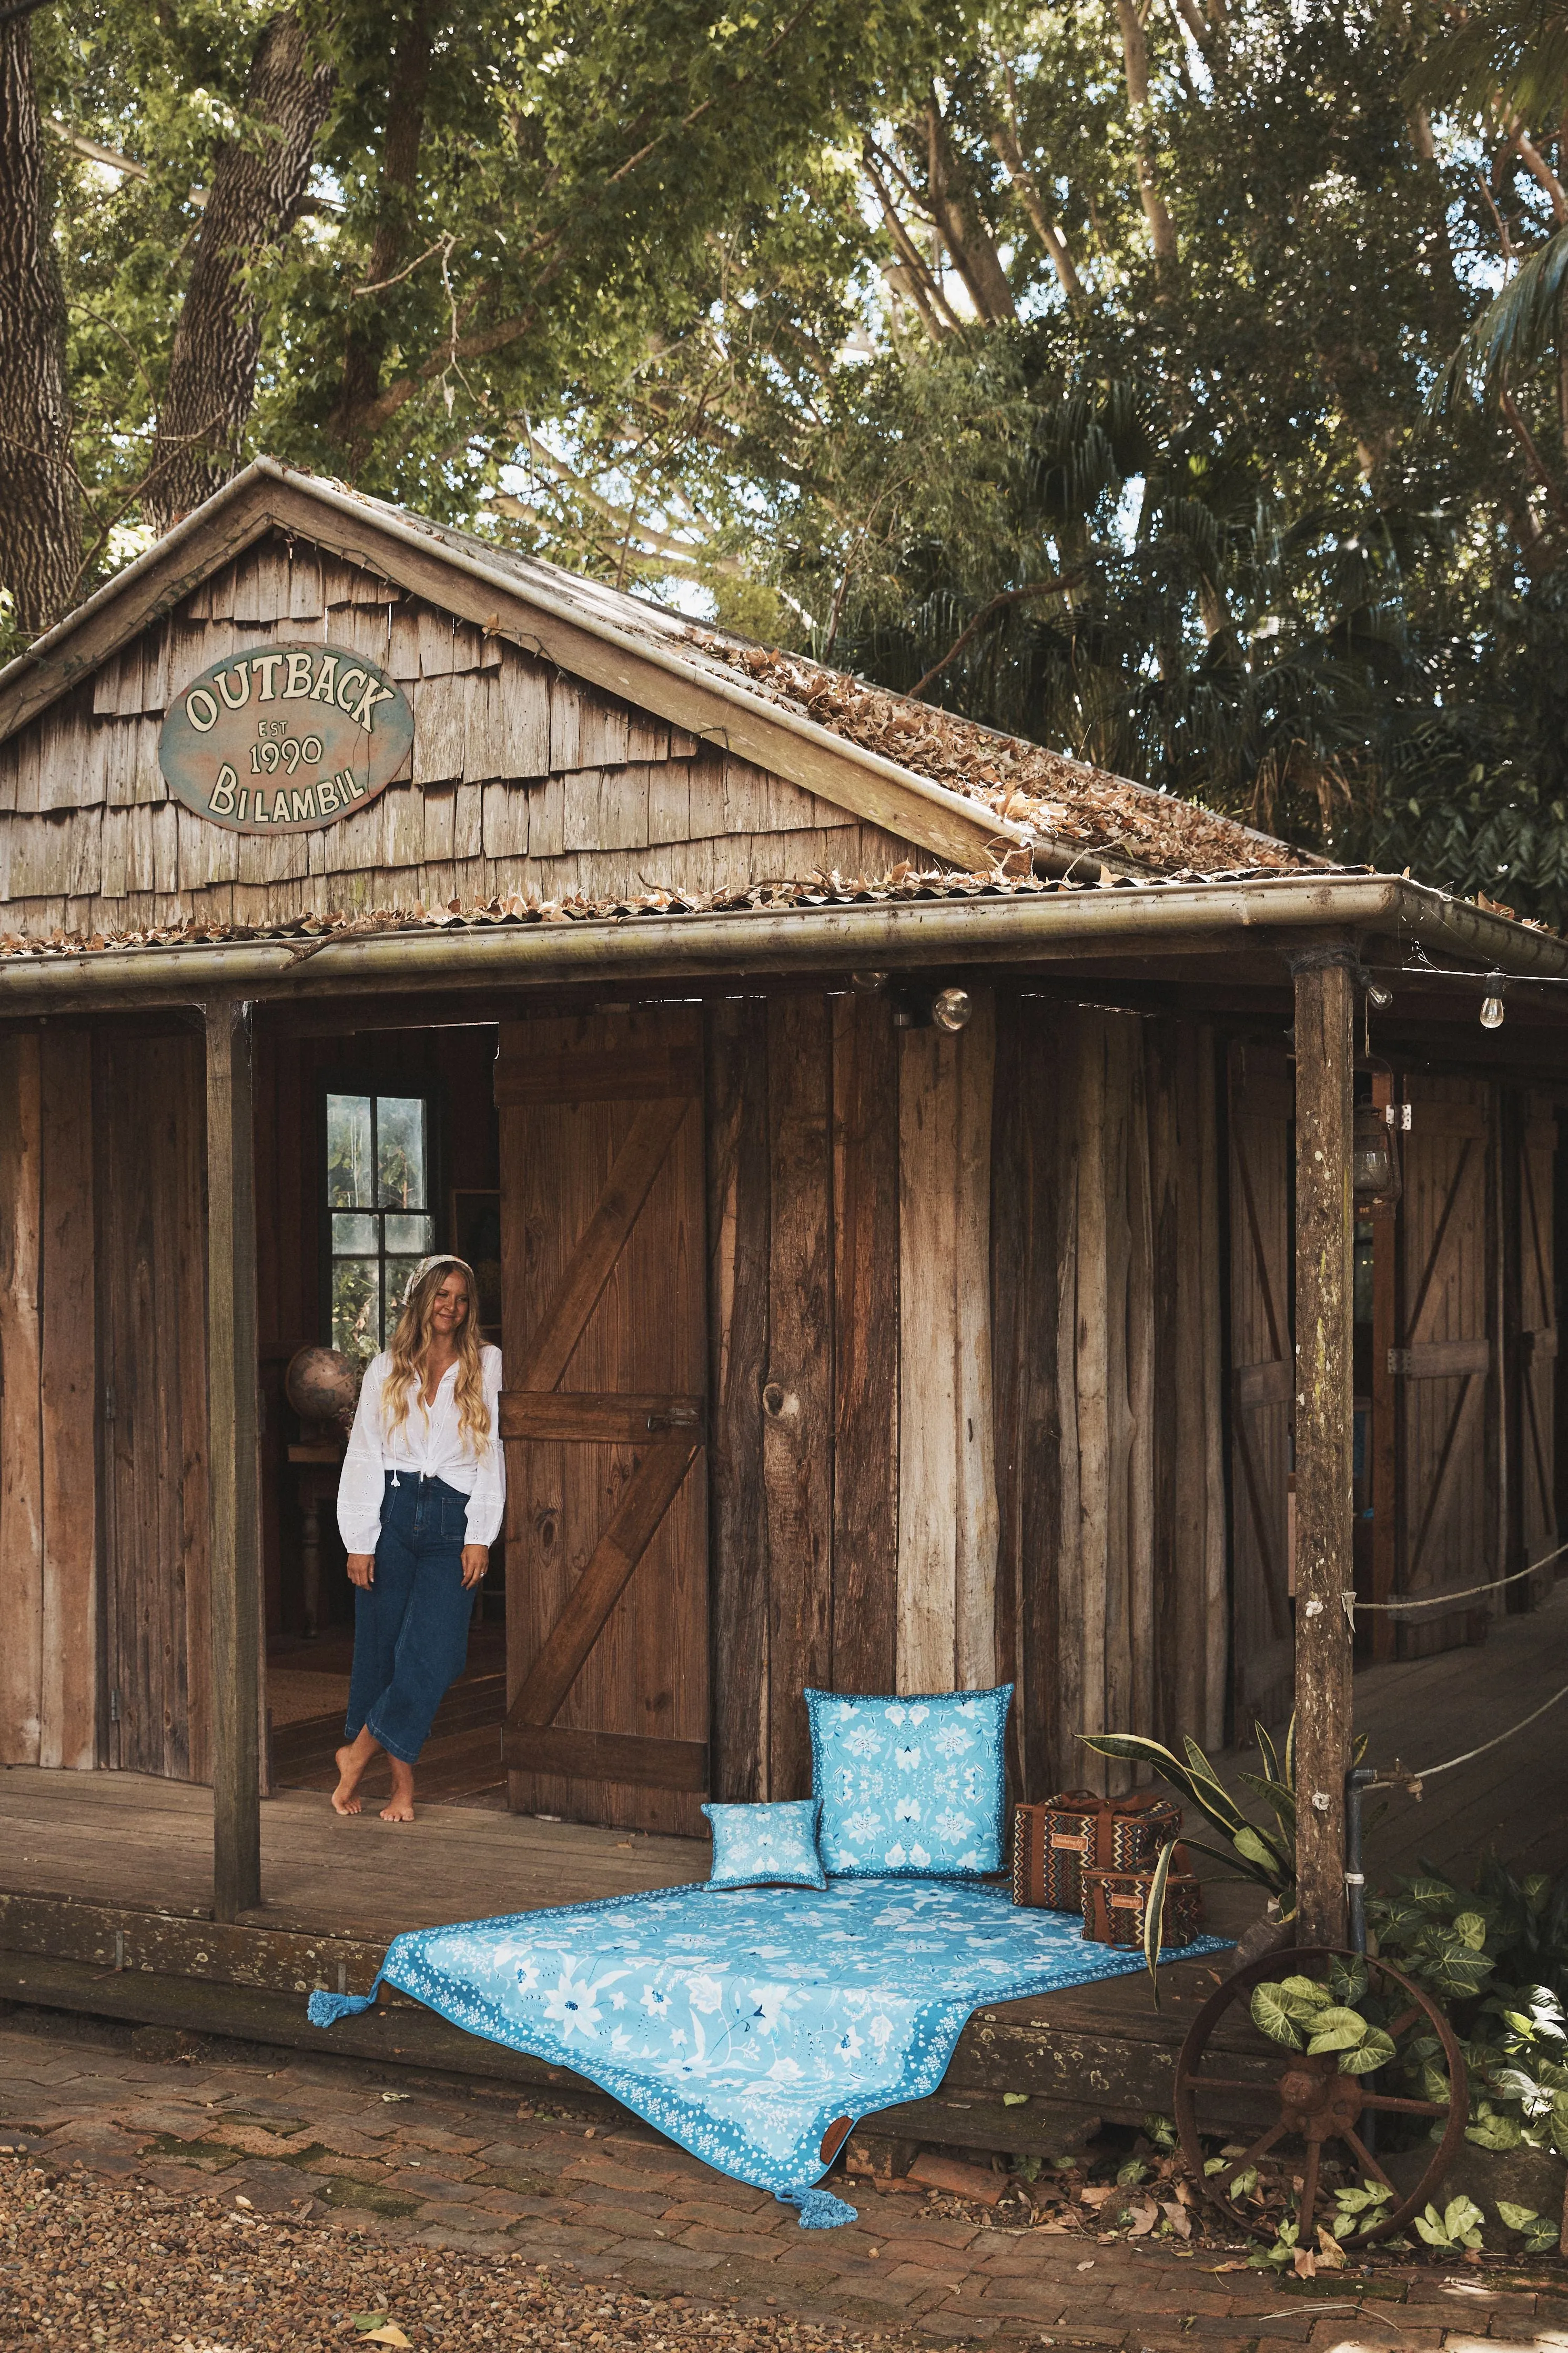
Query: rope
point(1412, 1781)
point(1465, 1593)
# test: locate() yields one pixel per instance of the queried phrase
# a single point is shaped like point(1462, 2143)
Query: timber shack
point(911, 1177)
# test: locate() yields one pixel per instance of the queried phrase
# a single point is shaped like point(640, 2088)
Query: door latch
point(678, 1417)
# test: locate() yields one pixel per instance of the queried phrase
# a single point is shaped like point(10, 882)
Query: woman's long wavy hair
point(410, 1341)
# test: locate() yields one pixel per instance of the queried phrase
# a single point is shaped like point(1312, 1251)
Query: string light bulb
point(1491, 1004)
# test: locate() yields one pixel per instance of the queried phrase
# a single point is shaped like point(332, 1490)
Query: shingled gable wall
point(520, 779)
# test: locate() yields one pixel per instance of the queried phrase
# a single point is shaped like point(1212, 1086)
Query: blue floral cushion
point(765, 1846)
point(911, 1788)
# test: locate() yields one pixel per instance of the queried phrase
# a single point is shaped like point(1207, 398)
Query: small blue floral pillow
point(765, 1846)
point(911, 1788)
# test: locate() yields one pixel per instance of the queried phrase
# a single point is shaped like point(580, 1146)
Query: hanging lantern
point(1375, 1179)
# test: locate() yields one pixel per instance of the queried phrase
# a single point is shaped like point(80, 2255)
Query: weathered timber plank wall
point(948, 1529)
point(1106, 1354)
point(520, 779)
point(851, 1466)
point(49, 1534)
point(1190, 1575)
point(149, 1115)
point(1261, 1113)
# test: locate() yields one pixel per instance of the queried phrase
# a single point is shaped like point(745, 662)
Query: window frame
point(359, 1082)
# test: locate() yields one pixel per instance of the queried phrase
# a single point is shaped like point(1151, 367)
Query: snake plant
point(1265, 1854)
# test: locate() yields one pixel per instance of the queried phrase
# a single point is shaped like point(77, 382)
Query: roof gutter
point(1157, 919)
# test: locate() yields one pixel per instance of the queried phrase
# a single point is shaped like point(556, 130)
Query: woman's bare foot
point(399, 1806)
point(350, 1764)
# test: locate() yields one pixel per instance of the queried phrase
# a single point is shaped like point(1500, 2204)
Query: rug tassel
point(326, 2008)
point(819, 2210)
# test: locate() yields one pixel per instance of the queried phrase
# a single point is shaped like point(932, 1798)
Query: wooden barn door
point(605, 1345)
point(1263, 1658)
point(1537, 1406)
point(151, 1127)
point(1442, 1362)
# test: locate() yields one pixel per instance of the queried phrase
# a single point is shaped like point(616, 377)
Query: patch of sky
point(1127, 517)
point(552, 473)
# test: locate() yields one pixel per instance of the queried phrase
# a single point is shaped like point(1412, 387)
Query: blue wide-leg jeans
point(411, 1626)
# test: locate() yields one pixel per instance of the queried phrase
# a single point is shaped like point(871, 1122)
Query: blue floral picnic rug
point(743, 2023)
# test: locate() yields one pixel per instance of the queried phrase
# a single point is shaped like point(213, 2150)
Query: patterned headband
point(441, 1258)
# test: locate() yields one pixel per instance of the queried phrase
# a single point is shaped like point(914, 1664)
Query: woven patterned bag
point(1053, 1843)
point(1115, 1904)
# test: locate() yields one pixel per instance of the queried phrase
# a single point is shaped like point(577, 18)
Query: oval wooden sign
point(279, 739)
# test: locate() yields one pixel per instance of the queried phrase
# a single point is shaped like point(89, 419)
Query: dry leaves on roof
point(1061, 798)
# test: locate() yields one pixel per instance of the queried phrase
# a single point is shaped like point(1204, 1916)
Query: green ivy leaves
point(1457, 2227)
point(1540, 2235)
point(1303, 2015)
point(1271, 2014)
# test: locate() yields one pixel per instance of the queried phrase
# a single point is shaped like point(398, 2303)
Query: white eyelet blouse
point(429, 1445)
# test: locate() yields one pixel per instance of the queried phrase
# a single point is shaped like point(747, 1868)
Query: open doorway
point(372, 1150)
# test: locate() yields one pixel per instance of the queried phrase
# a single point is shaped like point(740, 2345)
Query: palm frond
point(1512, 53)
point(1515, 330)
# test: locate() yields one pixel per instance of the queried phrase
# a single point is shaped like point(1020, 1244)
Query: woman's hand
point(476, 1560)
point(362, 1568)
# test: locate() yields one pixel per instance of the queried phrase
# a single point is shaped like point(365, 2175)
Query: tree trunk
point(258, 184)
point(1135, 59)
point(367, 344)
point(966, 236)
point(1005, 139)
point(40, 545)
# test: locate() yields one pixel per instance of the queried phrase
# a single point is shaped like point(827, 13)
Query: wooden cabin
point(842, 1347)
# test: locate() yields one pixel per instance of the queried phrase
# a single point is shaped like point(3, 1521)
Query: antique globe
point(320, 1384)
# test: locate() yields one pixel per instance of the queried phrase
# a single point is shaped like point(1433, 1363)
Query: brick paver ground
point(600, 2206)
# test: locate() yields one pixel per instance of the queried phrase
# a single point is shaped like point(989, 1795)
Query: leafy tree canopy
point(1179, 382)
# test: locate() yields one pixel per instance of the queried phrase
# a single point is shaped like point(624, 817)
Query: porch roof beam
point(1167, 920)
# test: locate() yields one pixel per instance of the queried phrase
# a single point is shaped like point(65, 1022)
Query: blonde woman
point(419, 1506)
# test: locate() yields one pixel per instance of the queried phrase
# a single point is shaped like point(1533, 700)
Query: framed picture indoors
point(476, 1236)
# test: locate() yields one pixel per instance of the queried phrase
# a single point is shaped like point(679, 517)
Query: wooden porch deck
point(105, 1909)
point(1509, 1802)
point(105, 1895)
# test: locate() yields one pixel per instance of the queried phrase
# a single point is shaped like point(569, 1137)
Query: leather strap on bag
point(1104, 1813)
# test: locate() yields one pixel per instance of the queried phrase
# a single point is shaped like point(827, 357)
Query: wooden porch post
point(232, 1473)
point(1325, 1017)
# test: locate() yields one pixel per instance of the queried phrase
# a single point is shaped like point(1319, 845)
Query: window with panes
point(380, 1211)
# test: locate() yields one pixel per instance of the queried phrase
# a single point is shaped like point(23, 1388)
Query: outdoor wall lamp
point(924, 1009)
point(1376, 1179)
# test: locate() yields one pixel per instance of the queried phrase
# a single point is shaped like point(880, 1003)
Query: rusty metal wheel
point(1310, 2105)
